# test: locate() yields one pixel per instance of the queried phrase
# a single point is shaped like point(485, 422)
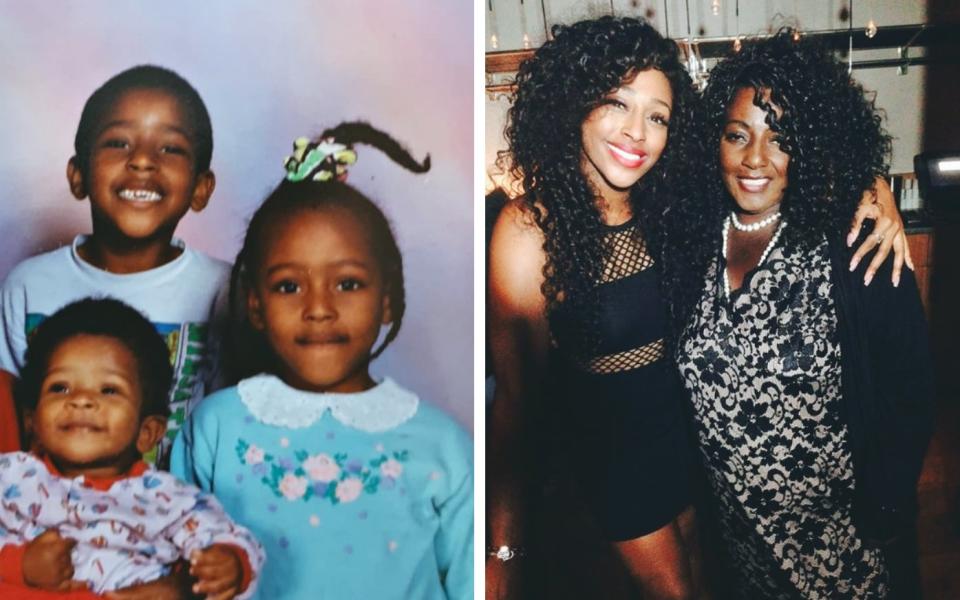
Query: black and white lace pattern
point(763, 369)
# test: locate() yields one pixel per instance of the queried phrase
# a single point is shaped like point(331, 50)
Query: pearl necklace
point(763, 257)
point(753, 226)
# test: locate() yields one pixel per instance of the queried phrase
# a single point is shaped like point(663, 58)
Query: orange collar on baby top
point(100, 483)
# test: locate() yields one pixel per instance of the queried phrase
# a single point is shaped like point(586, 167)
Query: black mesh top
point(632, 319)
point(618, 413)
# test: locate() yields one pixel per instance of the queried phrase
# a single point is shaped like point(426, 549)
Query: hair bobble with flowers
point(321, 161)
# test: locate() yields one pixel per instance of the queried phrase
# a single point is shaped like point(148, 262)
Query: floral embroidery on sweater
point(336, 478)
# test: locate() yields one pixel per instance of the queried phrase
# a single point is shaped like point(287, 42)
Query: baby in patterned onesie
point(85, 512)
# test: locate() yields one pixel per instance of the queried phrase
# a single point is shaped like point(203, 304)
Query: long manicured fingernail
point(850, 239)
point(868, 279)
point(854, 263)
point(896, 281)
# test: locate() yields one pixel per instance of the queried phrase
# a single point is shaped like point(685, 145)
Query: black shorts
point(625, 444)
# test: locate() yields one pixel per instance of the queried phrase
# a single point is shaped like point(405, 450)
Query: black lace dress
point(763, 371)
point(621, 408)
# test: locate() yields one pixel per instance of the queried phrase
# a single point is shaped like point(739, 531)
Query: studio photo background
point(268, 73)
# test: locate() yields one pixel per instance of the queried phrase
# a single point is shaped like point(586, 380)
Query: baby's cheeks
point(218, 570)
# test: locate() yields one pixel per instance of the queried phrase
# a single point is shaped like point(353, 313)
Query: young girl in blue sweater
point(355, 487)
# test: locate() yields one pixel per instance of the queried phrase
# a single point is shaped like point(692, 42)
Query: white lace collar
point(273, 402)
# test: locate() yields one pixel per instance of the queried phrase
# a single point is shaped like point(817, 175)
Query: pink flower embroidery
point(253, 456)
point(349, 489)
point(322, 468)
point(391, 468)
point(293, 487)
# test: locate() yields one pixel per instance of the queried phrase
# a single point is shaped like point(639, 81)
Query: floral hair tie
point(319, 161)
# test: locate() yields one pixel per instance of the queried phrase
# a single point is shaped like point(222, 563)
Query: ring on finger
point(879, 237)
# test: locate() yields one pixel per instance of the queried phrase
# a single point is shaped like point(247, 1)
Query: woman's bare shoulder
point(518, 216)
point(517, 259)
point(516, 232)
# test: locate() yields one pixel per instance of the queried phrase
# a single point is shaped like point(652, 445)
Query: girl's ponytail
point(360, 132)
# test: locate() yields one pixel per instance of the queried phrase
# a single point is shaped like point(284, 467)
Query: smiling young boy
point(85, 512)
point(142, 157)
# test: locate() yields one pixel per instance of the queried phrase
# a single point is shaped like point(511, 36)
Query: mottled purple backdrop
point(269, 72)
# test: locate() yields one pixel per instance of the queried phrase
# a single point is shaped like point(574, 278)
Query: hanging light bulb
point(701, 78)
point(737, 44)
point(492, 26)
point(715, 7)
point(523, 26)
point(871, 28)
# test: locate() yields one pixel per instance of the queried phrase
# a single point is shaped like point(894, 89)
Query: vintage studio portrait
point(237, 300)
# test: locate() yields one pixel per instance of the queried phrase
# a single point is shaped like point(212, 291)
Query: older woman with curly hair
point(578, 326)
point(812, 393)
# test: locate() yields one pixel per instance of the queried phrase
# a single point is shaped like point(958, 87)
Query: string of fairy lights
point(725, 15)
point(689, 44)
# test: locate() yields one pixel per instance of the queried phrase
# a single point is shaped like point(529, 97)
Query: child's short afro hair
point(100, 317)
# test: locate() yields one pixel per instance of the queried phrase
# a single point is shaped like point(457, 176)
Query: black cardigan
point(887, 390)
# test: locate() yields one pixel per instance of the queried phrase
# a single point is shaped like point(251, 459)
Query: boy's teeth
point(140, 195)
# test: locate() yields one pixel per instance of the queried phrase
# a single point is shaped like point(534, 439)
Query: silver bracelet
point(505, 553)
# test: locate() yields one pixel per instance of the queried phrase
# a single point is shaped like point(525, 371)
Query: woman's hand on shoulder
point(888, 233)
